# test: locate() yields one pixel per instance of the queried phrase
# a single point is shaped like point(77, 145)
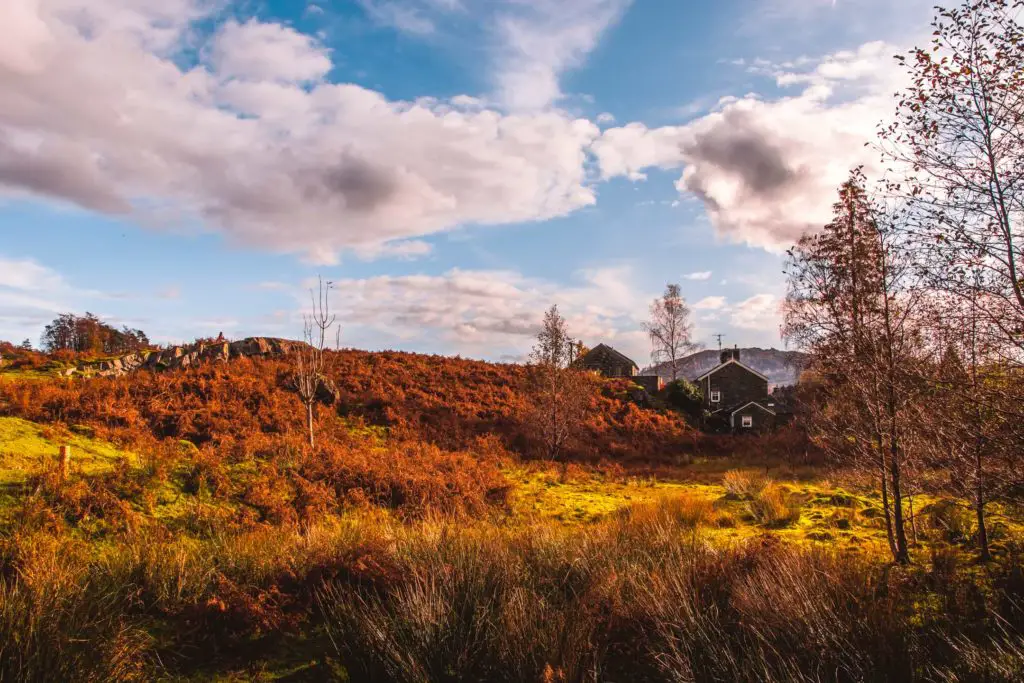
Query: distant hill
point(780, 367)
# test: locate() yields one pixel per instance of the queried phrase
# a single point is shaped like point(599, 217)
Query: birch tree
point(670, 329)
point(957, 145)
point(561, 391)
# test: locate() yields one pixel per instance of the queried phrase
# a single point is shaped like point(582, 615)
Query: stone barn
point(609, 362)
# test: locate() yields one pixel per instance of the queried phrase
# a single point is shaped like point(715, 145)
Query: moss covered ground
point(809, 508)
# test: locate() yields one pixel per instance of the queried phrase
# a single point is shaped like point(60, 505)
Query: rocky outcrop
point(188, 356)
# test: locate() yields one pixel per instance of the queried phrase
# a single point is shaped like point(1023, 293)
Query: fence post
point(65, 461)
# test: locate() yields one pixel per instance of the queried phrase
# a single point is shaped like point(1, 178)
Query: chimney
point(736, 352)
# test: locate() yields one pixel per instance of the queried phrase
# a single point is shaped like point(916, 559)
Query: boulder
point(327, 392)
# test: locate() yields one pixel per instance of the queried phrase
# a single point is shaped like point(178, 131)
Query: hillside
point(781, 367)
point(446, 402)
point(196, 536)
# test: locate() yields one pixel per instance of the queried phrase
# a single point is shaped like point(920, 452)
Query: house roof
point(728, 362)
point(605, 350)
point(756, 403)
point(732, 414)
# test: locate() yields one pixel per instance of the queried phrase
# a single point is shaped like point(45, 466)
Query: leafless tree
point(957, 147)
point(670, 329)
point(853, 303)
point(971, 415)
point(311, 364)
point(562, 392)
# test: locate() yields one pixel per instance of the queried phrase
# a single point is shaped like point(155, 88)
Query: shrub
point(774, 506)
point(685, 510)
point(744, 484)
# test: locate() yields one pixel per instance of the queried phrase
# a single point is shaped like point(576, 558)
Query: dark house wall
point(609, 363)
point(651, 383)
point(737, 385)
point(761, 419)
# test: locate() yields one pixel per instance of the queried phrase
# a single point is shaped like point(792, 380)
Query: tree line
point(89, 334)
point(912, 299)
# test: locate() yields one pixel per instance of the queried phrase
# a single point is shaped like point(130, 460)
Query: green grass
point(829, 515)
point(25, 446)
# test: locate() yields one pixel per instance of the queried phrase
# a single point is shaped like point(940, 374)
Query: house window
point(716, 396)
point(747, 421)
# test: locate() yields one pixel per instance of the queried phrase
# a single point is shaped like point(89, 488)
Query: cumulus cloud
point(767, 170)
point(267, 52)
point(252, 141)
point(487, 312)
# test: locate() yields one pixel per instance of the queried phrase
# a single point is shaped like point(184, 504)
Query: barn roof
point(605, 351)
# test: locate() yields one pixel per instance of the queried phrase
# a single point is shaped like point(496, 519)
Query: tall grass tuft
point(744, 484)
point(61, 623)
point(774, 506)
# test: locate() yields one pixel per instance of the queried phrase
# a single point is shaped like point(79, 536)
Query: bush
point(744, 484)
point(774, 506)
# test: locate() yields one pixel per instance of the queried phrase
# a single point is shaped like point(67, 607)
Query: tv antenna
point(719, 338)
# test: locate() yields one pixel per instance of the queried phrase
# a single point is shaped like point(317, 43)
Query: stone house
point(609, 362)
point(736, 395)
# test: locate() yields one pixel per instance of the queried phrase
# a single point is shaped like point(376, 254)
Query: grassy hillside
point(199, 538)
point(443, 401)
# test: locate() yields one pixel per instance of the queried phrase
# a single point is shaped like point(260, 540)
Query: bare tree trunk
point(902, 555)
point(886, 508)
point(309, 424)
point(979, 508)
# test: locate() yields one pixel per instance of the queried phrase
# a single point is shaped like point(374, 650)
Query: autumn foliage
point(406, 432)
point(446, 402)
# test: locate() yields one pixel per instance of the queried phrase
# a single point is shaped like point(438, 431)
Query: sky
point(452, 167)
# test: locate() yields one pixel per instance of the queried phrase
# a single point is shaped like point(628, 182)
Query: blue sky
point(454, 166)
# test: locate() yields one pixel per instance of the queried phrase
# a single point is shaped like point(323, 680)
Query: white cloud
point(767, 171)
point(541, 39)
point(489, 312)
point(532, 43)
point(406, 16)
point(710, 303)
point(94, 111)
point(605, 117)
point(260, 51)
point(759, 312)
point(702, 275)
point(405, 250)
point(30, 296)
point(27, 275)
